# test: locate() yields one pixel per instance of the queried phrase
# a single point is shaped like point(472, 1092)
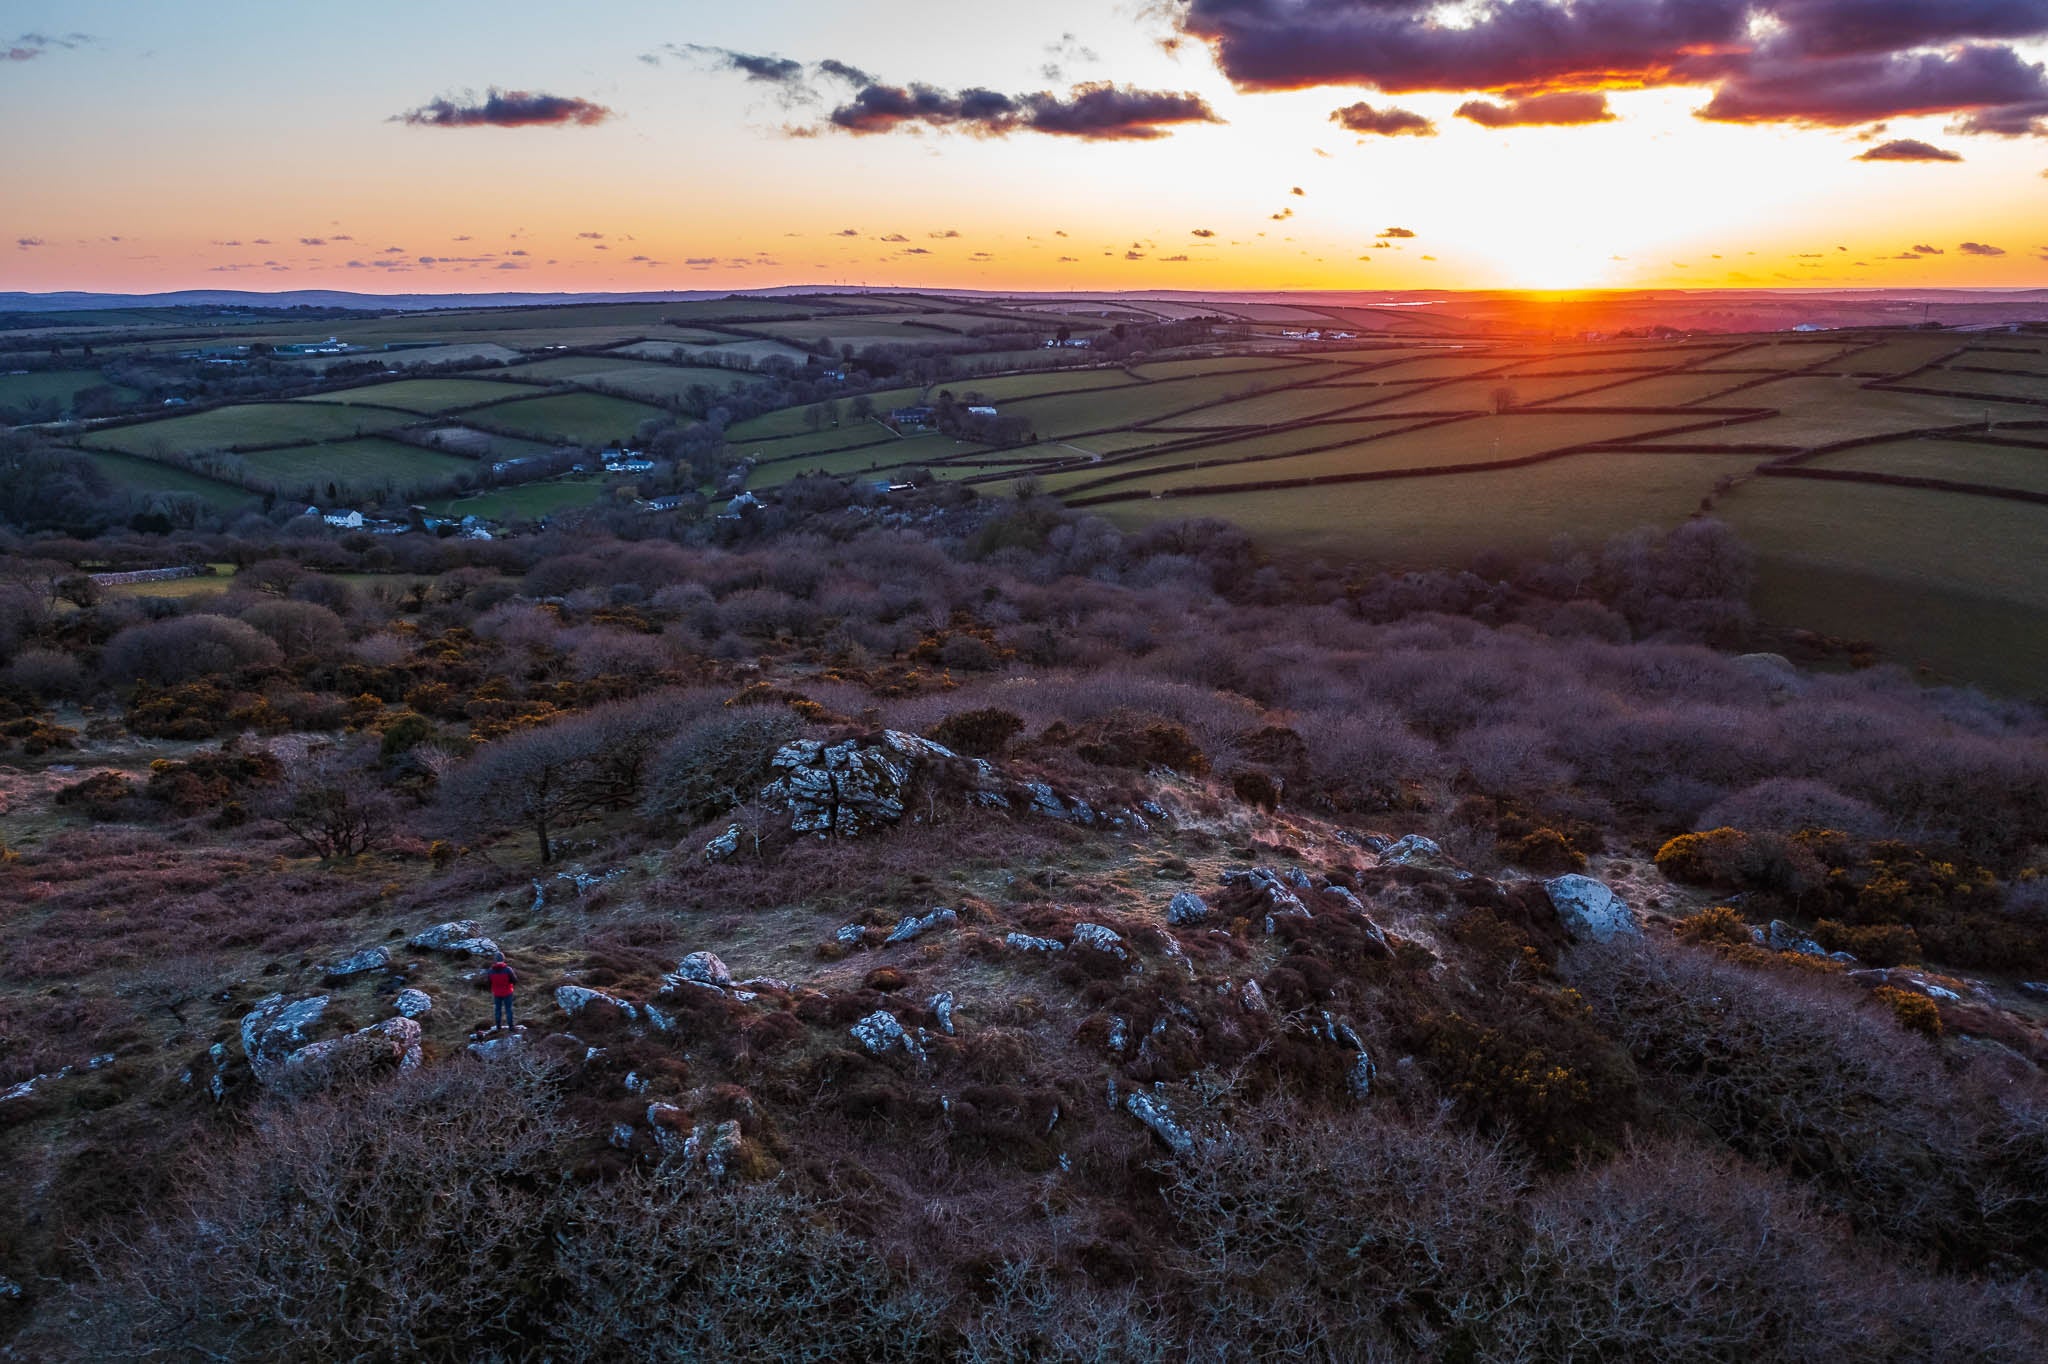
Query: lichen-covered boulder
point(276, 1028)
point(459, 937)
point(1414, 850)
point(1155, 1114)
point(1783, 937)
point(1101, 939)
point(725, 845)
point(853, 787)
point(1187, 908)
point(912, 926)
point(1025, 942)
point(576, 999)
point(1588, 909)
point(879, 1033)
point(393, 1044)
point(413, 1003)
point(367, 960)
point(941, 1005)
point(501, 1047)
point(702, 970)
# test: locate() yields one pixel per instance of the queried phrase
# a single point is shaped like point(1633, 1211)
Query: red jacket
point(503, 979)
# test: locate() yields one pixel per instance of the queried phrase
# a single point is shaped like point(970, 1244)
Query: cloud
point(1283, 215)
point(1171, 259)
point(1134, 255)
point(1928, 251)
point(1202, 232)
point(1400, 232)
point(1068, 51)
point(847, 232)
point(505, 109)
point(586, 236)
point(28, 243)
point(1299, 192)
point(1980, 249)
point(30, 46)
point(1097, 112)
point(1829, 62)
point(917, 251)
point(946, 235)
point(1363, 118)
point(770, 70)
point(312, 241)
point(895, 237)
point(1908, 149)
point(1558, 109)
point(838, 70)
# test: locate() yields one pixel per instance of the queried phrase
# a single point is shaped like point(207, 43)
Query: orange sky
point(244, 145)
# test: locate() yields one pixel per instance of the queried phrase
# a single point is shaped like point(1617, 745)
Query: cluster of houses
point(1318, 336)
point(347, 518)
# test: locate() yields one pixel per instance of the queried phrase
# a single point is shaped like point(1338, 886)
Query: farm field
point(1817, 410)
point(58, 385)
point(581, 418)
point(245, 425)
point(640, 378)
point(1947, 578)
point(1672, 390)
point(146, 476)
point(2009, 385)
point(843, 436)
point(475, 352)
point(705, 343)
point(1431, 521)
point(1960, 461)
point(1011, 387)
point(528, 502)
point(425, 396)
point(354, 466)
point(790, 420)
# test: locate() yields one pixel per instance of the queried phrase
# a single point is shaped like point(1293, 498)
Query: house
point(343, 520)
point(910, 416)
point(743, 503)
point(668, 502)
point(981, 411)
point(1071, 343)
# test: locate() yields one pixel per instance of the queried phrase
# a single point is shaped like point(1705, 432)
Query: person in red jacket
point(504, 983)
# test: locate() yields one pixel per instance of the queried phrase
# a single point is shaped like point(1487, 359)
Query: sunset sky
point(1218, 144)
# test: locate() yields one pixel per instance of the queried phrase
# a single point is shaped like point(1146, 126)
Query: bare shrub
point(718, 762)
point(298, 627)
point(168, 652)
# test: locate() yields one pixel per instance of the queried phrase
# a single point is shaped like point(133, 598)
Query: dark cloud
point(838, 70)
point(1980, 249)
point(1829, 62)
point(312, 241)
point(772, 70)
point(1400, 232)
point(1558, 109)
point(1283, 215)
point(1134, 255)
point(1928, 251)
point(1388, 122)
point(505, 109)
point(895, 237)
point(28, 243)
point(1171, 259)
point(1094, 112)
point(847, 232)
point(1202, 232)
point(917, 251)
point(30, 46)
point(701, 261)
point(1299, 192)
point(1908, 149)
point(1068, 51)
point(946, 235)
point(586, 236)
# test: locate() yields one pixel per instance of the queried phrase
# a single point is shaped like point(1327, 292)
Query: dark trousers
point(501, 1011)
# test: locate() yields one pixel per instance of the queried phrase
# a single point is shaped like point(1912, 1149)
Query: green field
point(1995, 466)
point(1421, 522)
point(249, 424)
point(424, 395)
point(640, 378)
point(828, 439)
point(579, 418)
point(1011, 387)
point(1950, 578)
point(146, 476)
point(2018, 387)
point(355, 466)
point(790, 420)
point(528, 502)
point(55, 385)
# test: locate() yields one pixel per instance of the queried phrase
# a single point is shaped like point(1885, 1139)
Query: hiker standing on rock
point(504, 983)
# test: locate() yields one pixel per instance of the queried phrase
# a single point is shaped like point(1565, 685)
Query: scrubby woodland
point(956, 929)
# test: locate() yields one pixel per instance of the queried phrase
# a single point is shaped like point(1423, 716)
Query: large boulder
point(393, 1044)
point(363, 962)
point(412, 1003)
point(461, 937)
point(1187, 908)
point(1588, 909)
point(703, 970)
point(853, 787)
point(912, 927)
point(575, 999)
point(879, 1033)
point(276, 1028)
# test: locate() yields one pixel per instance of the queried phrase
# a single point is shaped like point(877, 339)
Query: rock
point(1187, 908)
point(622, 1135)
point(723, 846)
point(1296, 877)
point(912, 927)
point(851, 935)
point(667, 1121)
point(1252, 998)
point(699, 968)
point(2035, 987)
point(1154, 1113)
point(393, 1044)
point(462, 937)
point(580, 883)
point(1024, 942)
point(1413, 850)
point(941, 1005)
point(1101, 939)
point(853, 787)
point(499, 1048)
point(776, 983)
point(1783, 937)
point(1351, 902)
point(1590, 910)
point(413, 1003)
point(1274, 893)
point(369, 959)
point(1899, 978)
point(1775, 671)
point(1363, 1072)
point(574, 999)
point(880, 1034)
point(722, 1146)
point(276, 1028)
point(1119, 1036)
point(9, 1288)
